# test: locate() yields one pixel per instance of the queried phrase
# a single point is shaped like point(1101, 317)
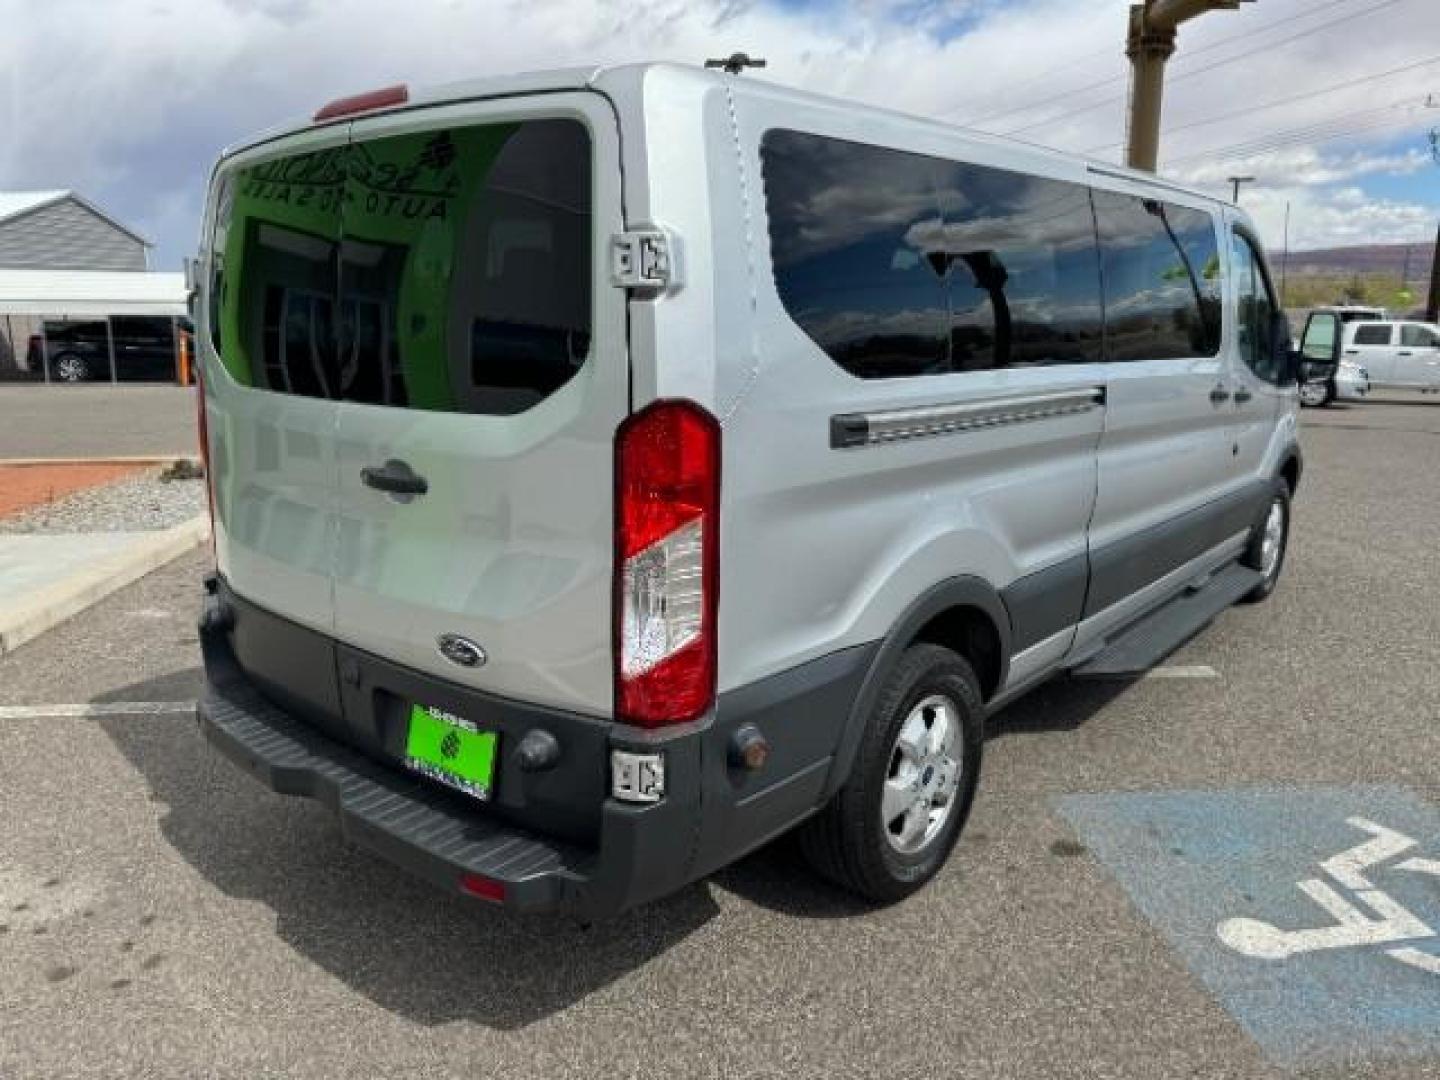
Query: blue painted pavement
point(1361, 979)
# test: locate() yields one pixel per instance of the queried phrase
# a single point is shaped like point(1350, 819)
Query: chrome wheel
point(71, 368)
point(923, 776)
point(1272, 540)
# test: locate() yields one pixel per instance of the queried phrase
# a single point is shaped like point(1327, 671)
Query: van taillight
point(667, 537)
point(202, 429)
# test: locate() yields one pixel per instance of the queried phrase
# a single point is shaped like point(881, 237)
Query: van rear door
point(265, 359)
point(483, 365)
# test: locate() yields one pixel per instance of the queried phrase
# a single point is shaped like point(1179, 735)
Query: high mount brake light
point(366, 102)
point(667, 537)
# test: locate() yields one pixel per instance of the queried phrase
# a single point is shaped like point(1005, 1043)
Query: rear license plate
point(451, 750)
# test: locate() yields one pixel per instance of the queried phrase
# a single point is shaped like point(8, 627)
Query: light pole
point(1151, 42)
point(1235, 182)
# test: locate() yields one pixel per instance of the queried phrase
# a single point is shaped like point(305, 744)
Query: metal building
point(78, 302)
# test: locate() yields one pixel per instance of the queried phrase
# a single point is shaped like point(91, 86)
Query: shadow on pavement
point(404, 945)
point(777, 877)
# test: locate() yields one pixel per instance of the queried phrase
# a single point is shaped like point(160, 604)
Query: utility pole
point(1151, 42)
point(1235, 182)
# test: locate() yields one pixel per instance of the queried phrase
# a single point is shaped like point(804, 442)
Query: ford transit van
point(615, 469)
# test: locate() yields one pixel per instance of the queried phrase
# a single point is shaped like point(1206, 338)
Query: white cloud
point(130, 100)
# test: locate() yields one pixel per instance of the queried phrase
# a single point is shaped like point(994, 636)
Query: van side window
point(898, 264)
point(1254, 311)
point(855, 232)
point(1162, 278)
point(1024, 271)
point(1372, 335)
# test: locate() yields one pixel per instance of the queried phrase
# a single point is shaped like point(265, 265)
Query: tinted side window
point(855, 238)
point(1255, 309)
point(1162, 278)
point(1372, 335)
point(1024, 272)
point(1419, 337)
point(900, 264)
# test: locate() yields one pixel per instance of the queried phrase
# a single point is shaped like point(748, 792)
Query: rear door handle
point(1406, 352)
point(1242, 395)
point(394, 477)
point(1219, 396)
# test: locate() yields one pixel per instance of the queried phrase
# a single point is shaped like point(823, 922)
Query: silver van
point(614, 469)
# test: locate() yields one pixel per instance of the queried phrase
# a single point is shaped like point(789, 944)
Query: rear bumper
point(711, 813)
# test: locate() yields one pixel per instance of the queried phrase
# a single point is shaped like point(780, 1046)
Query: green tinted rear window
point(445, 270)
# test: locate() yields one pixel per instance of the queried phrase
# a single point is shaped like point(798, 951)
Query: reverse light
point(366, 102)
point(667, 533)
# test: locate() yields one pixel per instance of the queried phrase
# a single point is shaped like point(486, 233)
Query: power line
point(1250, 110)
point(1208, 67)
point(1330, 129)
point(1200, 51)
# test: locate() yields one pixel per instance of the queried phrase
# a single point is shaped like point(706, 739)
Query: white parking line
point(90, 709)
point(1175, 671)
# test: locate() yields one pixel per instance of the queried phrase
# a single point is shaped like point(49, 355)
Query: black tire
point(846, 841)
point(1254, 556)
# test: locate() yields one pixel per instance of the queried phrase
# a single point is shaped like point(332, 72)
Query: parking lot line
point(1169, 671)
point(92, 709)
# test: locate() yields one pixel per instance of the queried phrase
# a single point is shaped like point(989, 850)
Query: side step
point(1142, 645)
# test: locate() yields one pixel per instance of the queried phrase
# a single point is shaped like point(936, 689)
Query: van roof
point(596, 76)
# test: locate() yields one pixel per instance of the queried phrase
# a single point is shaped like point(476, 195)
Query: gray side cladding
point(66, 236)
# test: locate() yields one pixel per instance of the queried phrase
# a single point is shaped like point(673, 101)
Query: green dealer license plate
point(451, 750)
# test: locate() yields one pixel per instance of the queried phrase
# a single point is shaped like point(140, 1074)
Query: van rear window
point(445, 270)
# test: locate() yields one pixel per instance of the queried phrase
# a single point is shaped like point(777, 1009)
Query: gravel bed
point(138, 503)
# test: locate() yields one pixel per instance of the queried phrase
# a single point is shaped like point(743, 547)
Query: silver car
point(614, 469)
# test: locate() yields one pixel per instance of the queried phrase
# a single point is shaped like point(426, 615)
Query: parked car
point(674, 460)
point(143, 348)
point(1399, 355)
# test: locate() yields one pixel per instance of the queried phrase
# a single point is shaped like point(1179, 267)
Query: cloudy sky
point(1323, 101)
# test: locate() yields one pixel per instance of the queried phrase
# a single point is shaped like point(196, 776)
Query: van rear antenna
point(735, 63)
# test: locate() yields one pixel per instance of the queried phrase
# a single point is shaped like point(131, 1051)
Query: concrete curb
point(47, 607)
point(141, 459)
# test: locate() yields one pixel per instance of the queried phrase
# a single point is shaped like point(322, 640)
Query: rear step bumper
point(627, 854)
point(417, 827)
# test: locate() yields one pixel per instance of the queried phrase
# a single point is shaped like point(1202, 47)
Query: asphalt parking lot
point(161, 915)
point(96, 420)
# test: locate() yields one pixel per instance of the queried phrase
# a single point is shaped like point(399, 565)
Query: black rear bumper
point(404, 820)
point(621, 855)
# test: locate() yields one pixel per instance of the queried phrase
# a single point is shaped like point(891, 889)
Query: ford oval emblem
point(460, 650)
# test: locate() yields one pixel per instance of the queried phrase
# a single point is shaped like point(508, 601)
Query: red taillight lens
point(367, 102)
point(667, 537)
point(202, 430)
point(483, 888)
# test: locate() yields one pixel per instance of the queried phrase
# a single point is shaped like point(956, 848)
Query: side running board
point(1143, 644)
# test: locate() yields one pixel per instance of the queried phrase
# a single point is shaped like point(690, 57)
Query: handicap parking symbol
point(1312, 915)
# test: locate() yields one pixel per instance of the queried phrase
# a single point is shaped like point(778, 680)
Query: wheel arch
point(965, 614)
